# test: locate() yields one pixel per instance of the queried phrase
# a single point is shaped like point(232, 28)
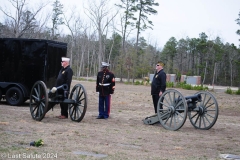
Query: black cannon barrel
point(63, 87)
point(194, 98)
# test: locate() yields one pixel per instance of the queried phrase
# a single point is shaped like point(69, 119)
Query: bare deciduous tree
point(74, 24)
point(98, 13)
point(22, 20)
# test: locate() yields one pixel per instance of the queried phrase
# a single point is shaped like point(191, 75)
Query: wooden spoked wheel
point(205, 114)
point(172, 109)
point(78, 109)
point(38, 100)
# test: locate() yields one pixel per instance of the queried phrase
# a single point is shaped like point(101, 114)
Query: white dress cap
point(65, 59)
point(104, 64)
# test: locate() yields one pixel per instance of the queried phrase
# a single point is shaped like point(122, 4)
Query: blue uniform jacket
point(105, 83)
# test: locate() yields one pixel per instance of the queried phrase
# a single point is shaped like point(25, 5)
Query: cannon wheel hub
point(171, 110)
point(201, 110)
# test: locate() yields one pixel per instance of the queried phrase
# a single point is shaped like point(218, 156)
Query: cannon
point(27, 66)
point(173, 109)
point(26, 61)
point(42, 100)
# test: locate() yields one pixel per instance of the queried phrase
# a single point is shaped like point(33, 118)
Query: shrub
point(229, 91)
point(238, 92)
point(137, 83)
point(187, 86)
point(170, 84)
point(127, 82)
point(180, 84)
point(199, 88)
point(146, 80)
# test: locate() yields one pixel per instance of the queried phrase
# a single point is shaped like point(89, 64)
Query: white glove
point(54, 89)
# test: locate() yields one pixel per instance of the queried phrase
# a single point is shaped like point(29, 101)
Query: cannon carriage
point(173, 109)
point(42, 100)
point(28, 68)
point(26, 61)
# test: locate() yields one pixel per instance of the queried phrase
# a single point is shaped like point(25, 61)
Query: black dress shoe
point(100, 117)
point(62, 117)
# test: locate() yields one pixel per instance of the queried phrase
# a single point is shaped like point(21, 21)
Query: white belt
point(106, 84)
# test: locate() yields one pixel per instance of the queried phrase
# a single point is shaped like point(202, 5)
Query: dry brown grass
point(123, 135)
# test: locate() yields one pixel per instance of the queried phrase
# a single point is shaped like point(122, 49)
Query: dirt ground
point(122, 136)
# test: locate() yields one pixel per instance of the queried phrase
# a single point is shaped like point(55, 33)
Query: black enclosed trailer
point(25, 61)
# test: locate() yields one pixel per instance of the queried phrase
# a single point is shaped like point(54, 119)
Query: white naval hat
point(104, 64)
point(65, 59)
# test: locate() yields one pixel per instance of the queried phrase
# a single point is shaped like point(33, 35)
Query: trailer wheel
point(14, 96)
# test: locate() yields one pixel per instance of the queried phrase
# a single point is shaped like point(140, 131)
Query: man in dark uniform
point(64, 77)
point(105, 85)
point(158, 84)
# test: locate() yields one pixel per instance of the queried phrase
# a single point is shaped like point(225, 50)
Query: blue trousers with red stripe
point(104, 106)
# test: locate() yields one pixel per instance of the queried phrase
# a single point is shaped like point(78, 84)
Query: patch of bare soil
point(122, 136)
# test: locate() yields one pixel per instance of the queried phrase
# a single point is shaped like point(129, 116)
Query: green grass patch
point(230, 91)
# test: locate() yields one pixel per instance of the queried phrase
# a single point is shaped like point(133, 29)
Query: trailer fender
point(4, 86)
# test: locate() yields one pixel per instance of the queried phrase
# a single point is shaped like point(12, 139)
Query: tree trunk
point(214, 74)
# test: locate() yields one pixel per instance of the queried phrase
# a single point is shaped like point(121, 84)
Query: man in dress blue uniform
point(158, 85)
point(105, 85)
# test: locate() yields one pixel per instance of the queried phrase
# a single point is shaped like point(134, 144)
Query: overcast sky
point(182, 18)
